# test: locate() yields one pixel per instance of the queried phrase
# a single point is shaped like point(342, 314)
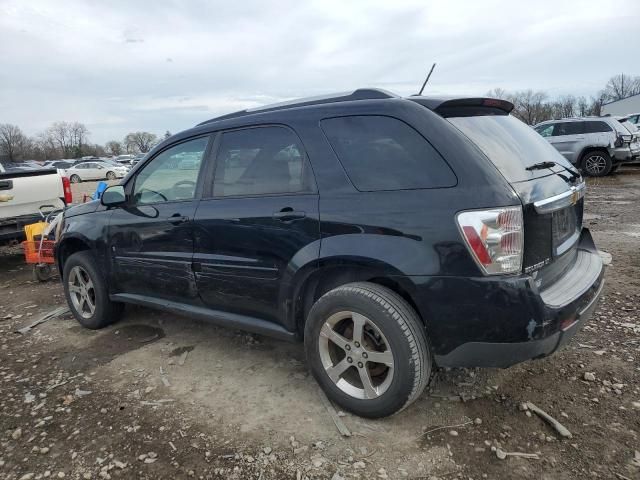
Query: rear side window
point(596, 127)
point(384, 153)
point(261, 161)
point(568, 128)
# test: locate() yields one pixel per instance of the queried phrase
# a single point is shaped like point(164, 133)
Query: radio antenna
point(427, 79)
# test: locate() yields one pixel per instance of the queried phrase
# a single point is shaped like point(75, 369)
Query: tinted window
point(383, 153)
point(596, 127)
point(545, 130)
point(164, 179)
point(568, 128)
point(510, 144)
point(261, 161)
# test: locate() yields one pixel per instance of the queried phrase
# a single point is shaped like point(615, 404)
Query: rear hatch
point(550, 188)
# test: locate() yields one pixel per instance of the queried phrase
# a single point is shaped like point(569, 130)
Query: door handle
point(288, 214)
point(178, 219)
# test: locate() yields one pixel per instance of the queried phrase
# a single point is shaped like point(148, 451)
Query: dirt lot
point(160, 396)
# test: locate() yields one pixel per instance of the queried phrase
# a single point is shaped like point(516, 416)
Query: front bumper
point(498, 322)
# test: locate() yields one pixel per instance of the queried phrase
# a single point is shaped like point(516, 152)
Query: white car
point(84, 171)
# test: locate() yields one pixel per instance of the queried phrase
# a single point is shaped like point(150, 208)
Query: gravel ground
point(161, 396)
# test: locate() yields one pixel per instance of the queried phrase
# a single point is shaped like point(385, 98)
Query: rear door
point(259, 221)
point(151, 237)
point(567, 138)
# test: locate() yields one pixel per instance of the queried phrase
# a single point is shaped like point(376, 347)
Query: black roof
point(439, 103)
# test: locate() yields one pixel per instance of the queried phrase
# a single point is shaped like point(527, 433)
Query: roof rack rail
point(359, 94)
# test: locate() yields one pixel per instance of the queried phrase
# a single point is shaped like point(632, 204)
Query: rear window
point(384, 153)
point(510, 144)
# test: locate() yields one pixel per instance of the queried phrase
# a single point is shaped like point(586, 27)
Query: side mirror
point(113, 196)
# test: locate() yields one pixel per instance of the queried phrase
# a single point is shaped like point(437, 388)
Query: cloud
point(122, 66)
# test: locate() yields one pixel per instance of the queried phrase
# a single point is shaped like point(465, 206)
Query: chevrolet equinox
point(392, 235)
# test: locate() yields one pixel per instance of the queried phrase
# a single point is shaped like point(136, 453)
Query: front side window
point(545, 130)
point(383, 153)
point(172, 175)
point(568, 128)
point(261, 161)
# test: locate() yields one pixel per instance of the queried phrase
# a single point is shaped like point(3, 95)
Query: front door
point(151, 236)
point(259, 222)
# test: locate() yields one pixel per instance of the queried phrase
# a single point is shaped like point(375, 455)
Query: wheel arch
point(587, 150)
point(332, 273)
point(67, 247)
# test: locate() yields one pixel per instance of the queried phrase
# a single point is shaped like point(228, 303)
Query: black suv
point(392, 235)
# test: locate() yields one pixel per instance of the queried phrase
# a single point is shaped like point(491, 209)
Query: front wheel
point(111, 176)
point(87, 294)
point(597, 164)
point(368, 349)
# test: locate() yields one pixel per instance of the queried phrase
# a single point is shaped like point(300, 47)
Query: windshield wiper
point(541, 165)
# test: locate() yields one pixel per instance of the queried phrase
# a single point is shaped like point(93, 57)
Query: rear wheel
point(87, 294)
point(597, 164)
point(368, 349)
point(111, 176)
point(75, 179)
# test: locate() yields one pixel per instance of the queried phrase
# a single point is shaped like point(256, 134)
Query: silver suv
point(598, 145)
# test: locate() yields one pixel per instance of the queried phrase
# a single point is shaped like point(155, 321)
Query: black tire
point(105, 311)
point(400, 328)
point(596, 164)
point(111, 176)
point(75, 179)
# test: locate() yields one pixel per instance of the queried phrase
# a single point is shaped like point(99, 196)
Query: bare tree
point(167, 134)
point(531, 107)
point(621, 86)
point(113, 147)
point(13, 143)
point(139, 142)
point(500, 93)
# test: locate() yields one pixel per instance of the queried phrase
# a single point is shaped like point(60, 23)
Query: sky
point(123, 65)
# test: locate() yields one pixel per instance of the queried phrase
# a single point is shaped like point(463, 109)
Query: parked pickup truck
point(23, 192)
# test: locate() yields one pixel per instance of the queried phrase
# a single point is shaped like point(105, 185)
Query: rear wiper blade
point(541, 165)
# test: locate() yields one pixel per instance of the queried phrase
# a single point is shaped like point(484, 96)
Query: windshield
point(511, 145)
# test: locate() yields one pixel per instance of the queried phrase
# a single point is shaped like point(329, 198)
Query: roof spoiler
point(449, 107)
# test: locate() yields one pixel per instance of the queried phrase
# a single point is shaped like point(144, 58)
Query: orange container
point(35, 253)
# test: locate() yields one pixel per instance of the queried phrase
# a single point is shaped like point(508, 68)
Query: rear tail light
point(66, 186)
point(494, 238)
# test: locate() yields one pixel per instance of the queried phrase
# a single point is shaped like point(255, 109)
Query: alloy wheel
point(82, 292)
point(595, 164)
point(356, 355)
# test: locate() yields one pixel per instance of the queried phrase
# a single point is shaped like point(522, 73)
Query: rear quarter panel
point(28, 193)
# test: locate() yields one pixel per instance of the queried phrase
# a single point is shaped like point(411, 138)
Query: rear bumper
point(13, 228)
point(502, 355)
point(498, 322)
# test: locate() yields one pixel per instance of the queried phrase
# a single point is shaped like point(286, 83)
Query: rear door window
point(261, 161)
point(596, 127)
point(383, 153)
point(511, 145)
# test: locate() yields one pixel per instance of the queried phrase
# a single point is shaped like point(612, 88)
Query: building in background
point(625, 106)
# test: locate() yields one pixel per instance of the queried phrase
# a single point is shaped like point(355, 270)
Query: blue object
point(102, 186)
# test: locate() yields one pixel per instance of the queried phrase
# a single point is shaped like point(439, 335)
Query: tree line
point(68, 140)
point(533, 107)
point(71, 139)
